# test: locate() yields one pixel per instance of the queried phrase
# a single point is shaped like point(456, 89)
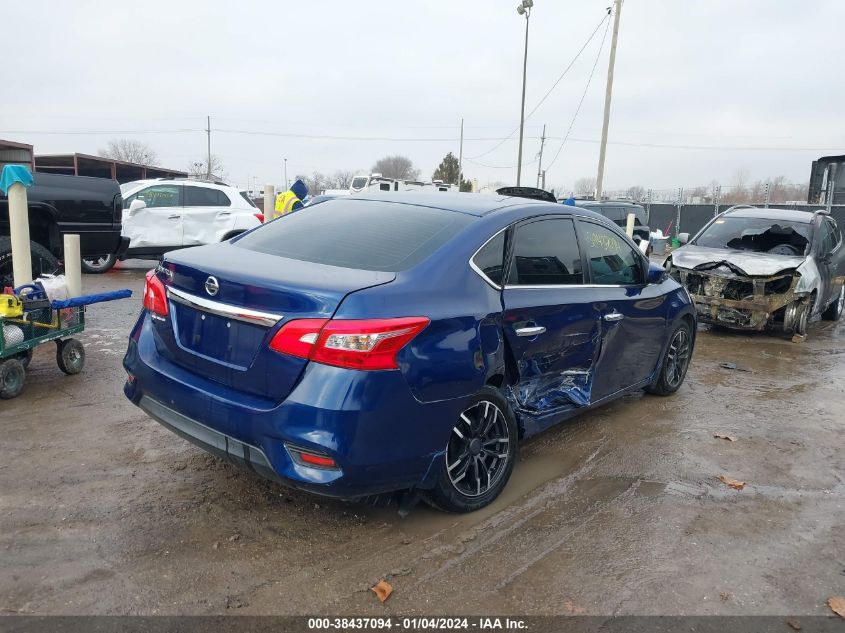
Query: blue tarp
point(89, 299)
point(12, 174)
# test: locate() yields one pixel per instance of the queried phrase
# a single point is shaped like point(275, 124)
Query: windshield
point(758, 235)
point(361, 234)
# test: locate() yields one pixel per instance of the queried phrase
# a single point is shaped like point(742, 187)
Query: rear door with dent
point(548, 316)
point(207, 215)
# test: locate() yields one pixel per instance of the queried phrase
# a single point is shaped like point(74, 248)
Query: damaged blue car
point(403, 343)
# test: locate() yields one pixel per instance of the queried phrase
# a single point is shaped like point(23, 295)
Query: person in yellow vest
point(290, 200)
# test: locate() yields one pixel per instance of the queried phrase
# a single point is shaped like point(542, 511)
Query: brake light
point(259, 217)
point(367, 344)
point(155, 296)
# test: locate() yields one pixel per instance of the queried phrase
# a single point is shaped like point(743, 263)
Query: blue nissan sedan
point(403, 343)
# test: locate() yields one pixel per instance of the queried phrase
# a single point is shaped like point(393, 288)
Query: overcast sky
point(726, 84)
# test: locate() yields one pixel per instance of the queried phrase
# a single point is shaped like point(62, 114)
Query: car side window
point(205, 197)
point(157, 196)
point(490, 259)
point(614, 214)
point(829, 235)
point(546, 254)
point(612, 261)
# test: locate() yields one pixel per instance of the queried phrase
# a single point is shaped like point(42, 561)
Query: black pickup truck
point(59, 204)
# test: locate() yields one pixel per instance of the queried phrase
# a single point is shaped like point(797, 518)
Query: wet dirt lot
point(616, 512)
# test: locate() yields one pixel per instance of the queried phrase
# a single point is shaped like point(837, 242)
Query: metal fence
point(690, 218)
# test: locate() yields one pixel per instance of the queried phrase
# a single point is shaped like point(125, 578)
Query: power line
point(577, 110)
point(581, 102)
point(554, 85)
point(448, 139)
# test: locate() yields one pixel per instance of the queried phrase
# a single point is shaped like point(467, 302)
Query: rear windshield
point(360, 234)
point(760, 235)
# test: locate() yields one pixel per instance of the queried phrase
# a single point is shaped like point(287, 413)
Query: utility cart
point(26, 324)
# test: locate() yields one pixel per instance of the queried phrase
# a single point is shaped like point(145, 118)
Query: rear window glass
point(361, 234)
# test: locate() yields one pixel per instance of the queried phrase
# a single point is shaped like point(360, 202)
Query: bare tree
point(636, 193)
point(396, 167)
point(129, 150)
point(342, 179)
point(585, 186)
point(199, 168)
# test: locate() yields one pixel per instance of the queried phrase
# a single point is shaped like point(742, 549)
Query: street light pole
point(286, 175)
point(523, 8)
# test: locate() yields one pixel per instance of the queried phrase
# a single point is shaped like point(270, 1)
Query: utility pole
point(287, 185)
point(461, 157)
point(540, 165)
point(208, 162)
point(607, 95)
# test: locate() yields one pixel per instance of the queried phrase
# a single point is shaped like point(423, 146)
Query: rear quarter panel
point(461, 348)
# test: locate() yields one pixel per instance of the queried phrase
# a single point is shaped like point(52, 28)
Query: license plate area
point(220, 339)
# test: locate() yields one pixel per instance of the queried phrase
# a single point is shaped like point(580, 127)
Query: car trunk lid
point(226, 303)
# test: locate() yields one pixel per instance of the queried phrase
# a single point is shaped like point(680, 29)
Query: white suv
point(166, 214)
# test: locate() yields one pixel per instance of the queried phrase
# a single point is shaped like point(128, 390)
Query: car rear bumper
point(380, 436)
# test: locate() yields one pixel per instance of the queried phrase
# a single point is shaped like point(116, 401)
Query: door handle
point(173, 217)
point(614, 316)
point(530, 331)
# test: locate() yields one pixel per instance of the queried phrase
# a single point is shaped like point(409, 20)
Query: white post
point(269, 202)
point(73, 266)
point(19, 232)
point(629, 228)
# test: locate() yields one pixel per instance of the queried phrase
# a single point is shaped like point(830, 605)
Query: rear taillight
point(155, 296)
point(259, 217)
point(352, 343)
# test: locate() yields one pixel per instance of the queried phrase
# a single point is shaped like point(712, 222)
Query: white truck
point(377, 182)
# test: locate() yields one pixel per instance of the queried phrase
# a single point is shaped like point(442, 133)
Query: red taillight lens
point(259, 216)
point(155, 296)
point(368, 344)
point(297, 337)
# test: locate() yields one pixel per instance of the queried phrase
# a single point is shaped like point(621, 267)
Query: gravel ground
point(619, 511)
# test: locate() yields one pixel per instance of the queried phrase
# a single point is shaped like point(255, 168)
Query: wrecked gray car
point(755, 269)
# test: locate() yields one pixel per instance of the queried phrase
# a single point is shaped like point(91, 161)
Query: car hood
point(741, 262)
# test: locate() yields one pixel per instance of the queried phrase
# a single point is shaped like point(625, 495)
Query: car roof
point(478, 204)
point(793, 215)
point(136, 184)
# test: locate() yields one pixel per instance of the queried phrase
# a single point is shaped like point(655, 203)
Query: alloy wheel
point(677, 358)
point(478, 450)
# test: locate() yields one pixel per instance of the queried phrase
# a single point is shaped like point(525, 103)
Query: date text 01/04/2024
point(417, 623)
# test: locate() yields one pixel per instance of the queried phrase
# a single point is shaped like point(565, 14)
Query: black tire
point(12, 377)
point(25, 358)
point(98, 265)
point(834, 310)
point(675, 362)
point(489, 416)
point(70, 356)
point(43, 261)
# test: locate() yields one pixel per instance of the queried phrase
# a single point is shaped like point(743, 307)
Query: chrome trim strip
point(477, 270)
point(568, 286)
point(225, 310)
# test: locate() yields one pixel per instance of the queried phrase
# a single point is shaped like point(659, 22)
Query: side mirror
point(656, 273)
point(136, 206)
point(683, 238)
